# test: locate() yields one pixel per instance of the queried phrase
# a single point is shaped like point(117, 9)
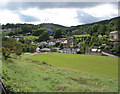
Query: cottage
point(17, 38)
point(68, 50)
point(51, 43)
point(103, 44)
point(99, 36)
point(37, 49)
point(45, 50)
point(64, 42)
point(7, 36)
point(51, 37)
point(93, 51)
point(42, 43)
point(55, 49)
point(114, 35)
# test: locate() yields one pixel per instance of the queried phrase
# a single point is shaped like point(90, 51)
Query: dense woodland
point(40, 32)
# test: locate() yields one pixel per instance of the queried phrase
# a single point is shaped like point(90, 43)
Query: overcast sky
point(64, 13)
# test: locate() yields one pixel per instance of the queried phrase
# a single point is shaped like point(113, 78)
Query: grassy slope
point(101, 65)
point(23, 75)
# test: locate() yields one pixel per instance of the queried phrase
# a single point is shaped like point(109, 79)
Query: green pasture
point(100, 65)
point(83, 35)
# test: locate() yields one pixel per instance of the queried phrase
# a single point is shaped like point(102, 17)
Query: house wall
point(114, 35)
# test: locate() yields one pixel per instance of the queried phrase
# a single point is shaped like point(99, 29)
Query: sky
point(63, 13)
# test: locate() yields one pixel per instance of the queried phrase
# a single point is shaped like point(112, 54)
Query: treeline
point(102, 27)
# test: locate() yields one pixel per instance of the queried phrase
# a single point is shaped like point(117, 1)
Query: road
point(107, 54)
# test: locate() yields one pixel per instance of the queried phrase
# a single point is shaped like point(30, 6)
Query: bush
point(32, 49)
point(9, 45)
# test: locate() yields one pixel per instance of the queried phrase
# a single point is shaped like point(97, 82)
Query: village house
point(55, 49)
point(51, 43)
point(38, 49)
point(93, 51)
point(70, 50)
point(60, 40)
point(17, 38)
point(71, 42)
point(42, 43)
point(45, 50)
point(114, 36)
point(52, 40)
point(51, 37)
point(100, 36)
point(64, 43)
point(7, 36)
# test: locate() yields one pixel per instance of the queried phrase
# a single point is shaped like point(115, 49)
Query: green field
point(83, 35)
point(101, 65)
point(31, 37)
point(60, 72)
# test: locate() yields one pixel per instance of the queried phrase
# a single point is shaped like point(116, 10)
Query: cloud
point(7, 16)
point(98, 13)
point(86, 18)
point(28, 18)
point(63, 16)
point(45, 5)
point(106, 10)
point(63, 13)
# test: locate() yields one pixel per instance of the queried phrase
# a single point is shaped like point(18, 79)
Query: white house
point(45, 50)
point(64, 42)
point(113, 35)
point(37, 49)
point(51, 43)
point(42, 43)
point(94, 50)
point(7, 36)
point(99, 36)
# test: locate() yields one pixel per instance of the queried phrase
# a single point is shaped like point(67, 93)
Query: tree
point(44, 36)
point(95, 28)
point(26, 28)
point(19, 49)
point(61, 46)
point(82, 48)
point(39, 31)
point(57, 44)
point(102, 29)
point(9, 46)
point(32, 49)
point(57, 33)
point(6, 52)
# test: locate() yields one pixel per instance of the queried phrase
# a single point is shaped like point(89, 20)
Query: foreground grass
point(100, 65)
point(25, 75)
